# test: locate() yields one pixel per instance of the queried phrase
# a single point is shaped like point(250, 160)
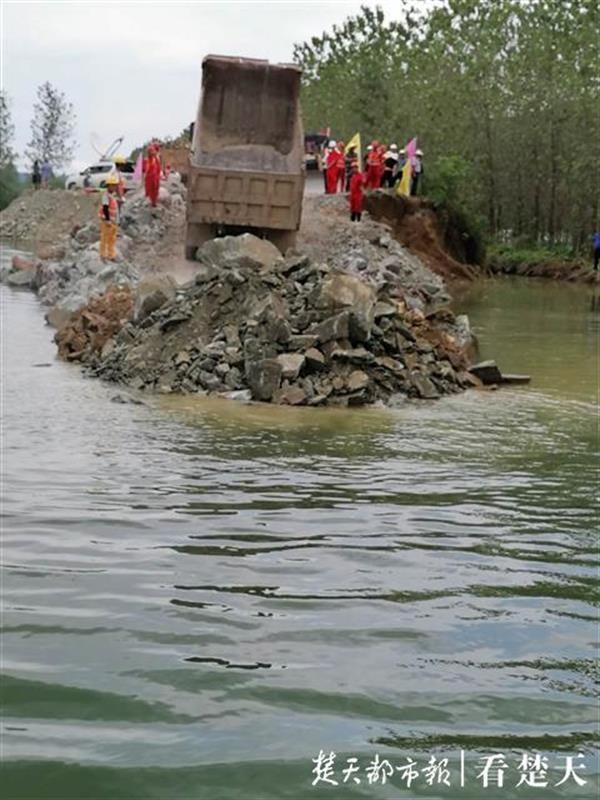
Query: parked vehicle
point(94, 176)
point(313, 144)
point(246, 168)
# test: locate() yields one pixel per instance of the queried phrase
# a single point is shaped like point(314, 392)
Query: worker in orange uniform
point(152, 170)
point(109, 219)
point(356, 196)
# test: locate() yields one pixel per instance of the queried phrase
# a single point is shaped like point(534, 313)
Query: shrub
point(10, 185)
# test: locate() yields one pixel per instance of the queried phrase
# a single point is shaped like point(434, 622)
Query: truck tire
point(196, 234)
point(283, 240)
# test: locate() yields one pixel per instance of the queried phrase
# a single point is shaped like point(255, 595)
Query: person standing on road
point(46, 173)
point(335, 160)
point(356, 196)
point(373, 177)
point(152, 170)
point(596, 243)
point(390, 165)
point(417, 173)
point(109, 219)
point(36, 175)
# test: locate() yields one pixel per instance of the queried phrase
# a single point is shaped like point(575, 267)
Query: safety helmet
point(402, 152)
point(332, 143)
point(119, 159)
point(419, 153)
point(369, 147)
point(112, 180)
point(393, 147)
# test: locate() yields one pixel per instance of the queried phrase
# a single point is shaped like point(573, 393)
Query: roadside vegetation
point(502, 95)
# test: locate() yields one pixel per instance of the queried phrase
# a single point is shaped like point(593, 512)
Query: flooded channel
point(198, 596)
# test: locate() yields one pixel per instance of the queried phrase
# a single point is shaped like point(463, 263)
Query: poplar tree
point(52, 128)
point(7, 132)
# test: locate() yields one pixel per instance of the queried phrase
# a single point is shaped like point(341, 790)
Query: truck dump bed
point(246, 161)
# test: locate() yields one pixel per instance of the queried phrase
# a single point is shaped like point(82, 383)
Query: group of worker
point(113, 197)
point(382, 167)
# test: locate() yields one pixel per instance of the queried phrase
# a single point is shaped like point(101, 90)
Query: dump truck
point(246, 166)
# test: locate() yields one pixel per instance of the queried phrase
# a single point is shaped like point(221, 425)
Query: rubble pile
point(92, 328)
point(40, 217)
point(75, 272)
point(367, 249)
point(287, 330)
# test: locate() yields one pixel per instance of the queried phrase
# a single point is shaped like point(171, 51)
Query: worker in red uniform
point(335, 163)
point(374, 166)
point(356, 197)
point(341, 167)
point(152, 170)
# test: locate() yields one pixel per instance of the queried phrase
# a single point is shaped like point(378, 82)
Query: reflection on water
point(198, 595)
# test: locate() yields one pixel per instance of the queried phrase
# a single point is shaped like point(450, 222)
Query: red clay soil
point(89, 329)
point(416, 225)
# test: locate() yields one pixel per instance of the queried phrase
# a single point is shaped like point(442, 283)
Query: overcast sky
point(133, 68)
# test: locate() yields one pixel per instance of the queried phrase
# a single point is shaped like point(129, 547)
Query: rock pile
point(286, 330)
point(91, 329)
point(367, 249)
point(74, 272)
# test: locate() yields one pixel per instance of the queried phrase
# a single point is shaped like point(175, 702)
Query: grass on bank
point(509, 257)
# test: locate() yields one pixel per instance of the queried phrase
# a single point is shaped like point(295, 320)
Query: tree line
point(52, 127)
point(502, 94)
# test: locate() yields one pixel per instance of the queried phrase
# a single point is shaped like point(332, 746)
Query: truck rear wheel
point(196, 235)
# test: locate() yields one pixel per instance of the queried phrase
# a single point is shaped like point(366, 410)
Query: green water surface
point(198, 597)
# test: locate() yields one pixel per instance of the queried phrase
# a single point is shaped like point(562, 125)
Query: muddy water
point(197, 597)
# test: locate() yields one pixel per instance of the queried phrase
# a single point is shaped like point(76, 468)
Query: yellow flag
point(403, 186)
point(355, 142)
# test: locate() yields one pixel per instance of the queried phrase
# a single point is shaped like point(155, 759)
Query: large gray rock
point(357, 381)
point(487, 372)
point(263, 378)
point(291, 364)
point(239, 252)
point(90, 262)
point(336, 327)
point(152, 293)
point(20, 278)
point(346, 291)
point(424, 386)
point(314, 359)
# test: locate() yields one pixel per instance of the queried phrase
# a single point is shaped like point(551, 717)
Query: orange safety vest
point(113, 207)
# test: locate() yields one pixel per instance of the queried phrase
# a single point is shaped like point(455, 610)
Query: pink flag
point(137, 172)
point(411, 149)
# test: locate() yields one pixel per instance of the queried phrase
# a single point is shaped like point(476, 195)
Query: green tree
point(10, 186)
point(7, 132)
point(510, 87)
point(52, 128)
